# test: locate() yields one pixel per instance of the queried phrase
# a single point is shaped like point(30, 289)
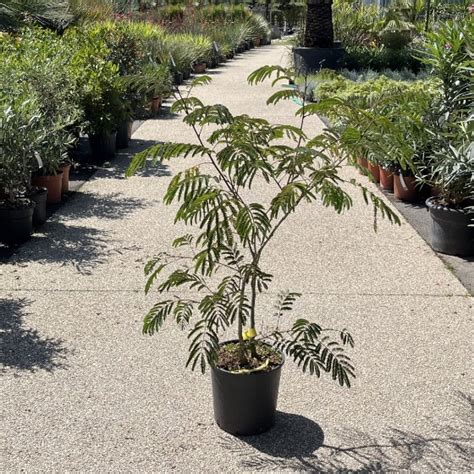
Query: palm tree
point(319, 31)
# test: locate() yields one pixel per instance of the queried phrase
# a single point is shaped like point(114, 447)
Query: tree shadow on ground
point(80, 246)
point(116, 168)
point(297, 443)
point(23, 348)
point(112, 205)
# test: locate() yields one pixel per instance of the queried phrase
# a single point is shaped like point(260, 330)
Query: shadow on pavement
point(297, 443)
point(23, 348)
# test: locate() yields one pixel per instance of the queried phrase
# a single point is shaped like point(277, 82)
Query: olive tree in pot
point(452, 210)
point(233, 233)
point(448, 53)
point(20, 133)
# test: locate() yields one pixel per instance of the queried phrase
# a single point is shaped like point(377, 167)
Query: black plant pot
point(16, 225)
point(178, 78)
point(245, 404)
point(308, 60)
point(186, 74)
point(247, 45)
point(39, 197)
point(124, 133)
point(452, 230)
point(103, 146)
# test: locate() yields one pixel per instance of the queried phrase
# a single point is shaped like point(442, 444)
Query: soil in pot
point(103, 146)
point(452, 228)
point(124, 133)
point(245, 399)
point(374, 170)
point(65, 169)
point(39, 197)
point(54, 185)
point(200, 68)
point(386, 178)
point(404, 187)
point(16, 223)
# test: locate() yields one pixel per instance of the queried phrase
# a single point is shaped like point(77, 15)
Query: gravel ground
point(83, 391)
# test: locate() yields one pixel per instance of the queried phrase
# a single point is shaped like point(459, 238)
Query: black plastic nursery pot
point(452, 229)
point(103, 146)
point(308, 60)
point(245, 404)
point(124, 133)
point(16, 224)
point(39, 196)
point(178, 78)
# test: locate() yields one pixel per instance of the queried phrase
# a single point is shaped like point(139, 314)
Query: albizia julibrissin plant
point(233, 231)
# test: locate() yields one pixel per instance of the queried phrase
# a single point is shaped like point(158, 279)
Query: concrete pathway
point(83, 390)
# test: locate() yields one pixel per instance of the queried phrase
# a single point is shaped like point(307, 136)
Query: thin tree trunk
point(319, 31)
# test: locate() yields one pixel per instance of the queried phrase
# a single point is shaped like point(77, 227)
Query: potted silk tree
point(221, 258)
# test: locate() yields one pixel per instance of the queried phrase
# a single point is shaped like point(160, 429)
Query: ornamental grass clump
point(221, 260)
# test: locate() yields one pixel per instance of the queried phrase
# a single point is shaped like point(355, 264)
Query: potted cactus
point(232, 233)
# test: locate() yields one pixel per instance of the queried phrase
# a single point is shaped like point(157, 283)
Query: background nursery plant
point(234, 231)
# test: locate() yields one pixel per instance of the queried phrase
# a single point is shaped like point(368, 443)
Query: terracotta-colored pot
point(156, 105)
point(200, 68)
point(435, 191)
point(65, 168)
point(374, 170)
point(405, 187)
point(54, 185)
point(386, 179)
point(363, 162)
point(257, 42)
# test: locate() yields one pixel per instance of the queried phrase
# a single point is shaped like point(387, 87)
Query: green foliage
point(21, 135)
point(54, 14)
point(232, 230)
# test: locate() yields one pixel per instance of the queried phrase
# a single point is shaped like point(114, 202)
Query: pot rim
point(279, 366)
point(431, 204)
point(31, 205)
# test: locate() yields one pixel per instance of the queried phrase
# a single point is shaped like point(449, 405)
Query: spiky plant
point(54, 14)
point(233, 231)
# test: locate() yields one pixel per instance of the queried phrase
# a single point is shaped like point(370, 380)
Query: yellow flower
point(249, 334)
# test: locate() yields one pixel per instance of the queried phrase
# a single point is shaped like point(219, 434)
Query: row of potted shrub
point(91, 80)
point(418, 133)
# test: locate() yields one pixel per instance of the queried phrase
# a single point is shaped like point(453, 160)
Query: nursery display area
point(226, 248)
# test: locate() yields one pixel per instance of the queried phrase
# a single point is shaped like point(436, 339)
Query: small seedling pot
point(16, 225)
point(363, 162)
point(53, 183)
point(124, 133)
point(404, 187)
point(103, 146)
point(452, 230)
point(386, 179)
point(200, 68)
point(245, 404)
point(65, 169)
point(39, 197)
point(374, 170)
point(156, 105)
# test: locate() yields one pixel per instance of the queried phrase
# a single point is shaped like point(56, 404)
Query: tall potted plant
point(221, 261)
point(448, 53)
point(319, 48)
point(21, 132)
